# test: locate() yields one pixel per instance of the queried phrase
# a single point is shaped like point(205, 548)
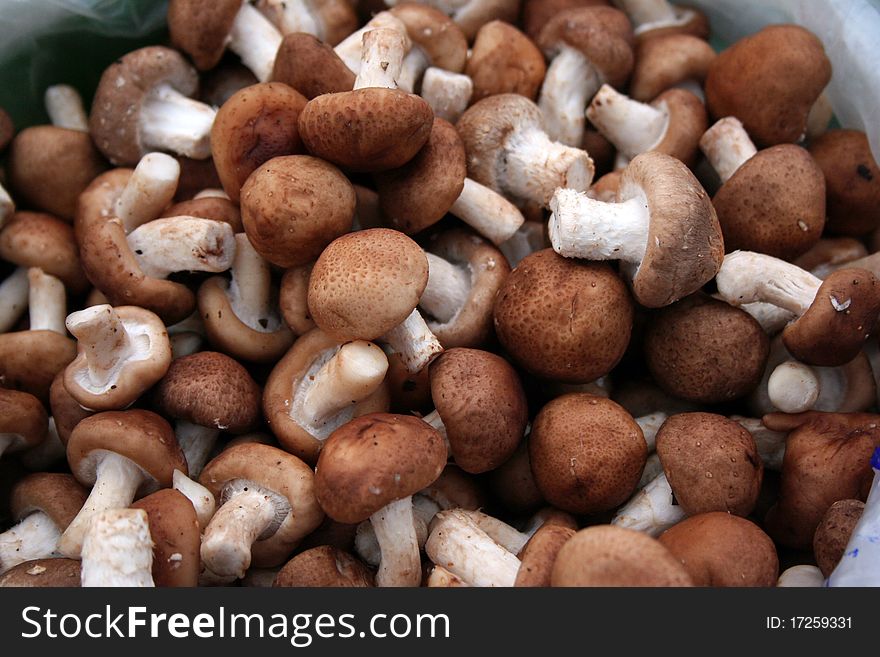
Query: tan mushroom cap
point(7, 129)
point(711, 462)
point(49, 167)
point(376, 459)
point(587, 453)
point(215, 208)
point(50, 573)
point(769, 81)
point(255, 125)
point(210, 389)
point(687, 123)
point(65, 410)
point(852, 181)
point(22, 415)
point(311, 66)
point(564, 319)
point(482, 404)
point(504, 61)
point(606, 555)
point(324, 566)
point(536, 13)
point(365, 283)
point(30, 360)
point(56, 494)
point(370, 129)
point(200, 28)
point(293, 206)
point(35, 239)
point(281, 473)
point(174, 529)
point(456, 489)
point(435, 33)
point(833, 533)
point(840, 319)
point(720, 549)
point(830, 253)
point(704, 350)
point(293, 299)
point(539, 555)
point(665, 61)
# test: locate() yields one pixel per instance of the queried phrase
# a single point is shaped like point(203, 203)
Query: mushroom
point(834, 532)
point(771, 201)
point(369, 468)
point(509, 151)
point(442, 578)
point(293, 299)
point(174, 529)
point(536, 13)
point(802, 576)
point(324, 566)
point(148, 191)
point(201, 499)
point(670, 60)
point(448, 93)
point(830, 253)
point(120, 454)
point(64, 409)
point(539, 555)
point(663, 228)
point(563, 320)
point(35, 239)
point(770, 444)
point(503, 60)
point(653, 18)
point(118, 550)
point(471, 15)
point(53, 573)
point(329, 20)
point(311, 66)
point(834, 316)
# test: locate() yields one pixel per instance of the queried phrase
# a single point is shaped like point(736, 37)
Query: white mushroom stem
point(164, 246)
point(802, 576)
point(394, 525)
point(650, 424)
point(196, 442)
point(727, 146)
point(414, 341)
point(47, 301)
point(148, 191)
point(292, 16)
point(633, 127)
point(525, 241)
point(442, 578)
point(770, 444)
point(65, 108)
point(459, 545)
point(102, 335)
point(651, 510)
point(447, 290)
point(211, 192)
point(413, 67)
point(771, 318)
point(7, 207)
point(571, 81)
point(255, 40)
point(653, 468)
point(250, 290)
point(447, 93)
point(35, 537)
point(45, 455)
point(581, 227)
point(170, 121)
point(350, 48)
point(746, 277)
point(367, 545)
point(487, 212)
point(510, 538)
point(14, 292)
point(117, 480)
point(381, 59)
point(118, 550)
point(793, 387)
point(202, 499)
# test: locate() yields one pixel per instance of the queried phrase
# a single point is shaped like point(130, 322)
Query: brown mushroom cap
point(35, 239)
point(293, 299)
point(293, 206)
point(22, 415)
point(201, 28)
point(215, 208)
point(840, 319)
point(54, 573)
point(65, 410)
point(830, 253)
point(174, 528)
point(482, 404)
point(455, 489)
point(376, 459)
point(324, 566)
point(664, 61)
point(513, 483)
point(255, 125)
point(833, 533)
point(852, 181)
point(536, 13)
point(30, 360)
point(212, 390)
point(769, 81)
point(435, 33)
point(687, 123)
point(606, 555)
point(504, 61)
point(365, 283)
point(564, 319)
point(311, 66)
point(720, 549)
point(539, 555)
point(711, 462)
point(704, 350)
point(58, 495)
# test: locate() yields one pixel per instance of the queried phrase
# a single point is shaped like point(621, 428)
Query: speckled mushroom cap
point(200, 28)
point(420, 193)
point(65, 410)
point(256, 124)
point(774, 203)
point(587, 453)
point(140, 436)
point(54, 573)
point(536, 13)
point(435, 33)
point(664, 61)
point(310, 66)
point(539, 555)
point(852, 181)
point(22, 415)
point(504, 61)
point(36, 239)
point(324, 566)
point(840, 319)
point(376, 459)
point(365, 283)
point(833, 533)
point(114, 122)
point(607, 555)
point(769, 81)
point(482, 404)
point(704, 350)
point(210, 389)
point(293, 206)
point(563, 319)
point(720, 549)
point(30, 360)
point(711, 462)
point(56, 494)
point(279, 472)
point(174, 529)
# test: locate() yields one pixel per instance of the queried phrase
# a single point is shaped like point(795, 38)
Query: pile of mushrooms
point(439, 296)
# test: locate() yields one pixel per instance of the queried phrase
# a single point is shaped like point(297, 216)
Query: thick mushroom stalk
point(571, 81)
point(65, 107)
point(633, 127)
point(164, 246)
point(202, 499)
point(350, 49)
point(447, 93)
point(367, 545)
point(292, 16)
point(118, 550)
point(394, 525)
point(651, 510)
point(727, 146)
point(487, 212)
point(47, 300)
point(102, 335)
point(793, 387)
point(35, 537)
point(255, 40)
point(171, 121)
point(746, 277)
point(447, 290)
point(148, 191)
point(248, 513)
point(508, 537)
point(250, 288)
point(414, 342)
point(381, 59)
